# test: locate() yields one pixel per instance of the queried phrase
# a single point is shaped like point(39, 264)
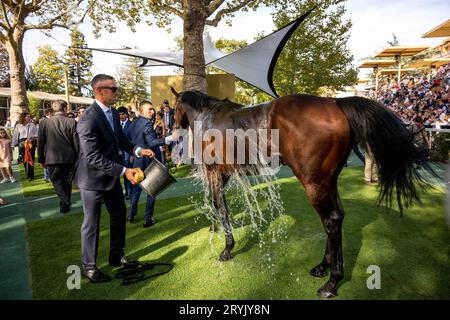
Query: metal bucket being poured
point(157, 179)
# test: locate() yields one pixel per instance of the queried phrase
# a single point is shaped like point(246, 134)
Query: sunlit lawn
point(412, 252)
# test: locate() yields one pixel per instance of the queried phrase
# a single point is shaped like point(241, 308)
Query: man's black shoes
point(149, 223)
point(64, 207)
point(124, 261)
point(130, 220)
point(96, 276)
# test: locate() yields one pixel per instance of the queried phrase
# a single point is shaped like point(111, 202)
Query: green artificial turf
point(412, 251)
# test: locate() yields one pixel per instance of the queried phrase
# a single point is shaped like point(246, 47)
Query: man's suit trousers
point(61, 176)
point(92, 204)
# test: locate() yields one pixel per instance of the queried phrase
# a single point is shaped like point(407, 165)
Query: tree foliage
point(49, 70)
point(133, 82)
point(316, 55)
point(394, 42)
point(35, 107)
point(79, 63)
point(19, 16)
point(31, 82)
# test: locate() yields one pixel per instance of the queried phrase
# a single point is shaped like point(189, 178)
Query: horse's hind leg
point(320, 270)
point(326, 202)
point(218, 191)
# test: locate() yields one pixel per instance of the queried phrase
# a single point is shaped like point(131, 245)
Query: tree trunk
point(19, 100)
point(194, 20)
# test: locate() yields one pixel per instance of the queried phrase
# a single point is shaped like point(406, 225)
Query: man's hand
point(43, 165)
point(147, 153)
point(129, 173)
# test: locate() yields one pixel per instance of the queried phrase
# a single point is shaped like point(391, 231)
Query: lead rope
point(136, 273)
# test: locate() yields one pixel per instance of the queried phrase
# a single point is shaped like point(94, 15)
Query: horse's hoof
point(325, 293)
point(318, 272)
point(225, 256)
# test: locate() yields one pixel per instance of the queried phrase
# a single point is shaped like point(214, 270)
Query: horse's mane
point(198, 100)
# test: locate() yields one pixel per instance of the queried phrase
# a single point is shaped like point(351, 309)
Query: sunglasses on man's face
point(113, 89)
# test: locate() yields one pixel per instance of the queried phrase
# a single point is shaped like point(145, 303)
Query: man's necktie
point(108, 114)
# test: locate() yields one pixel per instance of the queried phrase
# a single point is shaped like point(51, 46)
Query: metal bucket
point(157, 179)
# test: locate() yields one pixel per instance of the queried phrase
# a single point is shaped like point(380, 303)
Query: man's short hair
point(144, 103)
point(47, 111)
point(122, 110)
point(166, 101)
point(59, 105)
point(100, 77)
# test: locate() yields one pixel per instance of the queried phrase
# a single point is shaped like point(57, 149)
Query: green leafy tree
point(49, 70)
point(394, 42)
point(20, 16)
point(35, 107)
point(31, 82)
point(4, 67)
point(79, 63)
point(316, 55)
point(134, 84)
point(196, 15)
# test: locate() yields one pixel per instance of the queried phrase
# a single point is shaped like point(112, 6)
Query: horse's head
point(189, 104)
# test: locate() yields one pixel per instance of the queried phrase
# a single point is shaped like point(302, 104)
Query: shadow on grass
point(412, 252)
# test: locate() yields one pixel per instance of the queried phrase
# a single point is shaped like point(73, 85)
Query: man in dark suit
point(167, 115)
point(142, 132)
point(48, 113)
point(125, 123)
point(58, 151)
point(97, 174)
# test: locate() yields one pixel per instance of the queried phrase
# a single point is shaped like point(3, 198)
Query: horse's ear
point(174, 92)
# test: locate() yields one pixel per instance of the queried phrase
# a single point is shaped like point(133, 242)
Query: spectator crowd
point(421, 99)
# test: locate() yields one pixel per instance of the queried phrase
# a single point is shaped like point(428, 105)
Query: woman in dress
point(6, 155)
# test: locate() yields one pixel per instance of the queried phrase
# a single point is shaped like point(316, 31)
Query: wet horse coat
point(316, 136)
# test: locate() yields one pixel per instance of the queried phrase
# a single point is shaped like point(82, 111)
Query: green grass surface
point(38, 186)
point(182, 171)
point(412, 252)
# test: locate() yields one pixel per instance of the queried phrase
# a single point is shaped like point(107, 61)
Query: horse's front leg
point(220, 204)
point(221, 207)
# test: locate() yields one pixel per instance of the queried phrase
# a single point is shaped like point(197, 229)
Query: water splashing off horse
point(316, 136)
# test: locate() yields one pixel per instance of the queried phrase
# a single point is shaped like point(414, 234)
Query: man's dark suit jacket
point(99, 163)
point(57, 140)
point(126, 130)
point(143, 134)
point(170, 124)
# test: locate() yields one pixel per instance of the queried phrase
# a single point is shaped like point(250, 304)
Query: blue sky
point(374, 21)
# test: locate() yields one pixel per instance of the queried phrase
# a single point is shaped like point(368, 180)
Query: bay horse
point(316, 136)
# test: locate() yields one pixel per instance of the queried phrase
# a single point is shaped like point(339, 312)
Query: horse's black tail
point(392, 146)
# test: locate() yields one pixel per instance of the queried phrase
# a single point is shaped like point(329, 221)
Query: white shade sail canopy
point(253, 64)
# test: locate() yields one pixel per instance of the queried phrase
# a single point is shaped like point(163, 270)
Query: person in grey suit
point(97, 174)
point(58, 151)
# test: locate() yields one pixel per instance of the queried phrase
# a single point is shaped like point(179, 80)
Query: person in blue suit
point(142, 133)
point(125, 123)
point(97, 175)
